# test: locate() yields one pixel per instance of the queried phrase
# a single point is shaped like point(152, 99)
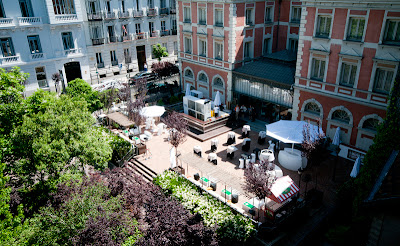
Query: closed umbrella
point(172, 157)
point(336, 138)
point(187, 93)
point(356, 168)
point(217, 100)
point(152, 111)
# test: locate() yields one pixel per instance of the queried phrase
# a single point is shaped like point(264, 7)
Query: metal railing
point(174, 32)
point(164, 33)
point(128, 59)
point(69, 17)
point(202, 22)
point(43, 83)
point(109, 15)
point(187, 21)
point(9, 59)
point(97, 41)
point(72, 51)
point(172, 10)
point(138, 13)
point(154, 34)
point(125, 14)
point(126, 38)
point(37, 56)
point(141, 35)
point(219, 24)
point(164, 11)
point(100, 65)
point(151, 12)
point(6, 21)
point(114, 63)
point(94, 16)
point(29, 20)
point(112, 39)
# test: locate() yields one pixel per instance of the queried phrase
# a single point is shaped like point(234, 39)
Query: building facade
point(121, 33)
point(43, 39)
point(217, 37)
point(347, 61)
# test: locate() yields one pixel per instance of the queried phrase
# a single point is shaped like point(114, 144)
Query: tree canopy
point(80, 88)
point(159, 51)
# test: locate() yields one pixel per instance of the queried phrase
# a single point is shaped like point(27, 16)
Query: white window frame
point(188, 42)
point(312, 69)
point(163, 25)
point(318, 23)
point(294, 11)
point(218, 43)
point(341, 78)
point(221, 11)
point(249, 20)
point(385, 29)
point(113, 56)
point(267, 51)
point(202, 50)
point(293, 42)
point(138, 28)
point(249, 50)
point(349, 22)
point(200, 21)
point(386, 74)
point(41, 74)
point(270, 13)
point(187, 15)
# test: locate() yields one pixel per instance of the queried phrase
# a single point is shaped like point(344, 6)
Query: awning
point(283, 188)
point(120, 119)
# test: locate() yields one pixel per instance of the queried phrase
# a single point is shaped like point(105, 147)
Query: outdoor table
point(144, 137)
point(276, 172)
point(212, 157)
point(226, 194)
point(245, 131)
point(261, 137)
point(204, 181)
point(231, 138)
point(214, 144)
point(197, 150)
point(230, 151)
point(246, 144)
point(267, 155)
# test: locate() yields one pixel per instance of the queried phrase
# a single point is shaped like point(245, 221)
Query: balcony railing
point(123, 15)
point(128, 59)
point(154, 34)
point(114, 63)
point(172, 10)
point(109, 15)
point(6, 22)
point(174, 32)
point(95, 16)
point(202, 22)
point(219, 24)
point(138, 13)
point(187, 21)
point(72, 51)
point(43, 83)
point(9, 59)
point(151, 12)
point(100, 65)
point(141, 35)
point(164, 11)
point(126, 38)
point(70, 17)
point(267, 20)
point(38, 56)
point(97, 41)
point(112, 39)
point(164, 33)
point(29, 21)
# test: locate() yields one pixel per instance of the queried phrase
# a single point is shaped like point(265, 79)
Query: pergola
point(120, 119)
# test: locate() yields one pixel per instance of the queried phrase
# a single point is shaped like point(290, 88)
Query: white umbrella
point(336, 138)
point(217, 100)
point(356, 168)
point(152, 111)
point(187, 93)
point(172, 157)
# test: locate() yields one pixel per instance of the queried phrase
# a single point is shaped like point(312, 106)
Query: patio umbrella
point(336, 138)
point(172, 157)
point(152, 111)
point(356, 168)
point(217, 100)
point(187, 93)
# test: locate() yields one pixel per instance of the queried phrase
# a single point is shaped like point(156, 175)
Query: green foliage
point(14, 79)
point(173, 100)
point(120, 148)
point(159, 51)
point(80, 88)
point(107, 97)
point(160, 102)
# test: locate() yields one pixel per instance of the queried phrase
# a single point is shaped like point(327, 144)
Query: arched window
point(188, 73)
point(312, 108)
point(371, 124)
point(341, 115)
point(203, 78)
point(218, 82)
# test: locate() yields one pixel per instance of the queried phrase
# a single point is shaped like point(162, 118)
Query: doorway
point(72, 71)
point(141, 56)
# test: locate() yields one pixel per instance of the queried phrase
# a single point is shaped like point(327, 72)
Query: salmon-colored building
point(347, 62)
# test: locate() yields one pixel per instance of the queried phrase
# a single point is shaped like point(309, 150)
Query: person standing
point(145, 67)
point(243, 110)
point(253, 116)
point(237, 111)
point(250, 112)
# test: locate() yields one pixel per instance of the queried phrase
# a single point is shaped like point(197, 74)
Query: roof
point(120, 119)
point(283, 188)
point(269, 70)
point(283, 55)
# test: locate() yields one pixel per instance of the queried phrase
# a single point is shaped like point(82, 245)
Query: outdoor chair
point(257, 151)
point(245, 131)
point(241, 163)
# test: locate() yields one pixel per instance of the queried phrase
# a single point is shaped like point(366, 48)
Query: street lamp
point(300, 172)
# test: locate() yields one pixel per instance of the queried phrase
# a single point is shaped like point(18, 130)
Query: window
point(268, 13)
point(219, 17)
point(348, 76)
point(202, 16)
point(392, 32)
point(7, 47)
point(266, 46)
point(188, 45)
point(2, 13)
point(96, 32)
point(67, 40)
point(318, 69)
point(383, 81)
point(203, 78)
point(341, 115)
point(323, 26)
point(173, 24)
point(293, 44)
point(202, 48)
point(151, 26)
point(218, 51)
point(150, 4)
point(296, 14)
point(175, 46)
point(249, 17)
point(108, 6)
point(164, 45)
point(127, 55)
point(137, 28)
point(163, 26)
point(122, 6)
point(63, 7)
point(218, 82)
point(356, 29)
point(26, 8)
point(189, 73)
point(312, 108)
point(41, 77)
point(163, 4)
point(111, 33)
point(247, 50)
point(371, 124)
point(99, 60)
point(114, 60)
point(34, 44)
point(186, 15)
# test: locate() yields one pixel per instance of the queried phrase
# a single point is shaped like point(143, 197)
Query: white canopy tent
point(152, 111)
point(217, 99)
point(356, 168)
point(336, 138)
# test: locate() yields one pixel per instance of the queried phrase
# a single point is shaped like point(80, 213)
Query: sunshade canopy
point(152, 111)
point(289, 131)
point(283, 188)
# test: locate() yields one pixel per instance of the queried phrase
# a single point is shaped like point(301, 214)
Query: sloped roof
point(283, 55)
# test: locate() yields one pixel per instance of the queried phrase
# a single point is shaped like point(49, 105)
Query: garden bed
point(215, 214)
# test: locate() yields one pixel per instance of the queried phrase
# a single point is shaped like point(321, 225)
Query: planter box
point(179, 170)
point(141, 148)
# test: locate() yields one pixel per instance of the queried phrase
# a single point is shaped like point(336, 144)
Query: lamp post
point(300, 172)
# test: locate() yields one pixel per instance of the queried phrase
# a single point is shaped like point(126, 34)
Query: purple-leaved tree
point(136, 105)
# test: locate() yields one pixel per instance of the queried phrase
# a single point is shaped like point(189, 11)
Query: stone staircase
point(137, 167)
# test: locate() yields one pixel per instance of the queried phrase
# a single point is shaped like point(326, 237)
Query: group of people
point(243, 111)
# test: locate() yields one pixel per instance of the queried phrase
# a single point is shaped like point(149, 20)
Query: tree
point(108, 97)
point(164, 69)
point(80, 88)
point(159, 51)
point(258, 181)
point(135, 107)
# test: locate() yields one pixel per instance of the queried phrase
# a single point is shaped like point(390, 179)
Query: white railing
point(37, 56)
point(72, 51)
point(142, 35)
point(70, 17)
point(9, 59)
point(6, 22)
point(29, 20)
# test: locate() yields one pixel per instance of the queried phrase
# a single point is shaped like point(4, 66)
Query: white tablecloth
point(231, 135)
point(262, 134)
point(246, 128)
point(214, 141)
point(197, 149)
point(212, 156)
point(231, 149)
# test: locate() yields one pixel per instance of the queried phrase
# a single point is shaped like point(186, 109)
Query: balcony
point(73, 51)
point(97, 41)
point(109, 16)
point(124, 15)
point(219, 24)
point(114, 63)
point(66, 18)
point(187, 21)
point(126, 38)
point(9, 60)
point(164, 33)
point(172, 11)
point(112, 39)
point(141, 35)
point(6, 22)
point(29, 21)
point(43, 83)
point(95, 16)
point(202, 22)
point(174, 32)
point(128, 59)
point(164, 11)
point(100, 65)
point(38, 56)
point(138, 14)
point(151, 12)
point(154, 34)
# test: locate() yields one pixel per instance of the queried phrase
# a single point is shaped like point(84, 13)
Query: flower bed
point(229, 226)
